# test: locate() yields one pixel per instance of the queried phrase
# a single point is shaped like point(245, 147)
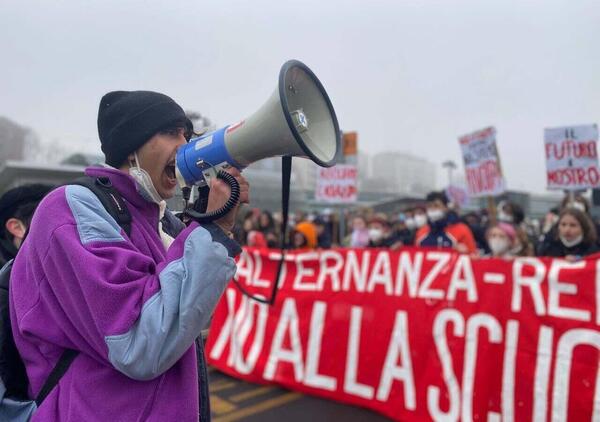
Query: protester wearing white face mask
point(550, 234)
point(360, 233)
point(445, 230)
point(510, 212)
point(420, 217)
point(502, 240)
point(380, 232)
point(575, 236)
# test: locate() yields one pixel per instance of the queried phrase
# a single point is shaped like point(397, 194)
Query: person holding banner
point(507, 241)
point(420, 216)
point(415, 218)
point(359, 237)
point(550, 229)
point(305, 236)
point(445, 230)
point(380, 232)
point(574, 238)
point(501, 239)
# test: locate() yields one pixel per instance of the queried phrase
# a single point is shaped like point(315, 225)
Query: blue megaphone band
point(202, 153)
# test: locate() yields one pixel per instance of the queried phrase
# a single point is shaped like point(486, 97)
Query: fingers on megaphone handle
point(244, 189)
point(222, 202)
point(244, 185)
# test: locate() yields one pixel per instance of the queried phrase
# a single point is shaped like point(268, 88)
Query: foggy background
point(409, 76)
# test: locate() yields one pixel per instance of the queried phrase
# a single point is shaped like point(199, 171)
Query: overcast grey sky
point(407, 75)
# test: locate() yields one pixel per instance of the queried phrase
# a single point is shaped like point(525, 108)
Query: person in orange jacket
point(304, 236)
point(445, 230)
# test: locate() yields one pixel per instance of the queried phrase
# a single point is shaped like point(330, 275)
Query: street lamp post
point(450, 166)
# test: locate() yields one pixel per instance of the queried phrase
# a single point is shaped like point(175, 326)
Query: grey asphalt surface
point(235, 400)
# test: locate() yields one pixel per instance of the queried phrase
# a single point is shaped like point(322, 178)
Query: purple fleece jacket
point(131, 308)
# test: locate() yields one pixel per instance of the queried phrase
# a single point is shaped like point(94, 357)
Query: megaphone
point(298, 120)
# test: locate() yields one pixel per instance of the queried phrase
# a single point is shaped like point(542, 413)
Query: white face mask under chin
point(143, 178)
point(571, 243)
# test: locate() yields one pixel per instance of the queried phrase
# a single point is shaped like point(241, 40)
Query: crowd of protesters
point(568, 230)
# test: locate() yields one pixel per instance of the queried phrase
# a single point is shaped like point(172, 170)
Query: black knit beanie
point(128, 119)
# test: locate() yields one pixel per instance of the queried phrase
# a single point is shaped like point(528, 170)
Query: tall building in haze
point(403, 173)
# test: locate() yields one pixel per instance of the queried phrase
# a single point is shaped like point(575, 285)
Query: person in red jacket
point(444, 228)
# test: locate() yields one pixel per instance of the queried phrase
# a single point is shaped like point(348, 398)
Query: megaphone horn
point(297, 120)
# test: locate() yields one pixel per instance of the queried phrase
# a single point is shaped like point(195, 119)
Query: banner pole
point(491, 206)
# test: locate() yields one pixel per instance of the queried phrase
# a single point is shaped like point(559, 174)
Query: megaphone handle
point(201, 202)
point(207, 217)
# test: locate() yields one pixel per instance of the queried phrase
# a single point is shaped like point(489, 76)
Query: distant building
point(83, 159)
point(13, 140)
point(17, 173)
point(405, 174)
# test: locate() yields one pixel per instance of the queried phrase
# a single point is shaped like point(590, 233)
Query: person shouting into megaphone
point(130, 303)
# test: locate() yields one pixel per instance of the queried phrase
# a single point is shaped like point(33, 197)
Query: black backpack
point(12, 369)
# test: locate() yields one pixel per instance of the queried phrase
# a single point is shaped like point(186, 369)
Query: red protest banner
point(419, 334)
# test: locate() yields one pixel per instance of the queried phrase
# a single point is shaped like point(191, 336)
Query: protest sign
point(337, 184)
point(571, 157)
point(419, 334)
point(458, 195)
point(482, 164)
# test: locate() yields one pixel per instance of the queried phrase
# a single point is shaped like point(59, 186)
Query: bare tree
point(201, 123)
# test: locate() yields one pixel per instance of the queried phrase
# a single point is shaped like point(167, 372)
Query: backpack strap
point(12, 368)
point(58, 371)
point(110, 198)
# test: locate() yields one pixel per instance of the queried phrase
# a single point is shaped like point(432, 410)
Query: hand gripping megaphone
point(298, 120)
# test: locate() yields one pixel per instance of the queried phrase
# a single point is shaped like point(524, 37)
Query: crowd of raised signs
point(567, 230)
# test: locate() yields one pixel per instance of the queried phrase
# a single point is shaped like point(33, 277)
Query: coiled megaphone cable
point(234, 197)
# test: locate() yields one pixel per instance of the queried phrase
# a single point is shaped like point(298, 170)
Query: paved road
point(235, 400)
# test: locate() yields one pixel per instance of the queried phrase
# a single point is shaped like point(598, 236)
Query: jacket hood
point(309, 231)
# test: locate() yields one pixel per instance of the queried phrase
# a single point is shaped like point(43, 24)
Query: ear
point(15, 227)
point(130, 162)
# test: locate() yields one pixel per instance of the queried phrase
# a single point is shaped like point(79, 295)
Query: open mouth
point(170, 170)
